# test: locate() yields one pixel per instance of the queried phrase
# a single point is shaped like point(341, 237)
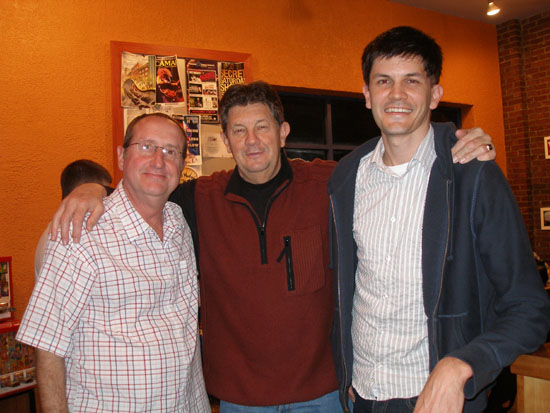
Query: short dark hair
point(404, 41)
point(132, 125)
point(81, 172)
point(255, 92)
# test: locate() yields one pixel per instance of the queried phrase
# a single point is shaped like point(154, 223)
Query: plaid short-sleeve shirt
point(121, 309)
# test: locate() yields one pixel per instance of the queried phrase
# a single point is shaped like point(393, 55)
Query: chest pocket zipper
point(287, 252)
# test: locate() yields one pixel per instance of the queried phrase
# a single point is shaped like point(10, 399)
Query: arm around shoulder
point(84, 198)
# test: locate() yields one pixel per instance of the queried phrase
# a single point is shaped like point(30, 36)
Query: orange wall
point(54, 60)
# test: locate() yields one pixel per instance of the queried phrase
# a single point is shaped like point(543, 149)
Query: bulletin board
point(117, 50)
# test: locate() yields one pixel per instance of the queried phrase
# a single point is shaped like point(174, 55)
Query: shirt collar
point(425, 154)
point(133, 223)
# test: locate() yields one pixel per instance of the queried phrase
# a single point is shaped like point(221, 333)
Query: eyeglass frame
point(163, 149)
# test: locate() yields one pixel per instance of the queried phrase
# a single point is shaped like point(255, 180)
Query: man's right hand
point(83, 199)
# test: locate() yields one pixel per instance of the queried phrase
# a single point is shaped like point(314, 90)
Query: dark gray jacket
point(483, 297)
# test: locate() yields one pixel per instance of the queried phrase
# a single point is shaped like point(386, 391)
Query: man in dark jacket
point(436, 288)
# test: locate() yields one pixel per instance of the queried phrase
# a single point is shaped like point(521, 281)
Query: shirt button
point(392, 219)
point(388, 258)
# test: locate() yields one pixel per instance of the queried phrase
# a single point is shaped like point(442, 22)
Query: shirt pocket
point(302, 261)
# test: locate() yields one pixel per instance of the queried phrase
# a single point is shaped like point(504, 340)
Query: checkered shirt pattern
point(121, 309)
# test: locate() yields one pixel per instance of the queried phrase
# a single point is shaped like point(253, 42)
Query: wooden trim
point(318, 92)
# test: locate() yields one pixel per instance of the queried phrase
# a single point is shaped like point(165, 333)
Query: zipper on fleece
point(287, 252)
point(261, 225)
point(261, 232)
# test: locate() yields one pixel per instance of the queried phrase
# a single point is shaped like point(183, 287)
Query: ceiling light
point(492, 9)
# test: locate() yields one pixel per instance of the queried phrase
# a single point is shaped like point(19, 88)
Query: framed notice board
point(117, 50)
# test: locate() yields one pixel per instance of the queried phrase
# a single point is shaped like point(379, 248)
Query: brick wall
point(524, 53)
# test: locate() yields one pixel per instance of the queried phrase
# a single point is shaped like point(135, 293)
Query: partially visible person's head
point(254, 130)
point(132, 125)
point(83, 171)
point(404, 41)
point(255, 92)
point(152, 158)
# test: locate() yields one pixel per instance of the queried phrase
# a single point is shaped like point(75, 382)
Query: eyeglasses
point(149, 149)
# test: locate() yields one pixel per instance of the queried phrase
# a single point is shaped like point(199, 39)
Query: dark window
point(352, 122)
point(329, 125)
point(306, 116)
point(446, 113)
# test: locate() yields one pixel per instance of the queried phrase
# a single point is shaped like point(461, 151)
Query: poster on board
point(202, 89)
point(230, 73)
point(168, 85)
point(137, 80)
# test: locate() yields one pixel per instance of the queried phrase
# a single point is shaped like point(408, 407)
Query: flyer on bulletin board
point(202, 89)
point(168, 85)
point(137, 80)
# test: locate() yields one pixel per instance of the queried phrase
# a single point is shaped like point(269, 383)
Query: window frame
point(328, 96)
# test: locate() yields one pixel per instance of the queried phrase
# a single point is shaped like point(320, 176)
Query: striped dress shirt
point(389, 330)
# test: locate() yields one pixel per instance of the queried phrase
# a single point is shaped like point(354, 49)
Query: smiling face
point(150, 179)
point(401, 96)
point(255, 140)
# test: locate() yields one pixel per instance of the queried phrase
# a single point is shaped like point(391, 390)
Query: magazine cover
point(137, 80)
point(202, 89)
point(230, 73)
point(168, 80)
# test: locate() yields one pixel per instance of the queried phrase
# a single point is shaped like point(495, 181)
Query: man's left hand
point(473, 143)
point(444, 390)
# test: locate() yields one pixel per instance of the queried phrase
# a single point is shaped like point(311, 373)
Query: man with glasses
point(114, 318)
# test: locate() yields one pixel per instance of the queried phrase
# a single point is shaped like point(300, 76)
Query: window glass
point(305, 154)
point(306, 116)
point(448, 114)
point(339, 154)
point(352, 123)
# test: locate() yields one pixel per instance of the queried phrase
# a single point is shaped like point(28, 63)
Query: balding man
point(114, 318)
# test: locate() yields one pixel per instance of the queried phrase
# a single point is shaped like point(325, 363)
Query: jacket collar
point(444, 139)
point(347, 168)
point(424, 154)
